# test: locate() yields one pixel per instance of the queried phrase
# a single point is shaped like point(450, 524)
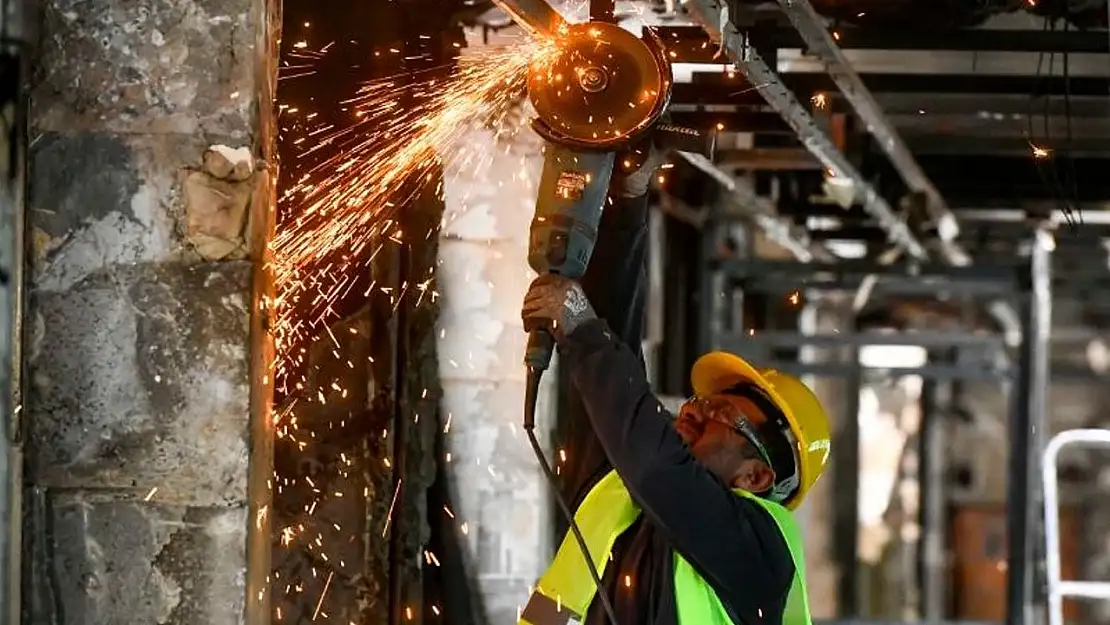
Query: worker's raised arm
point(733, 542)
point(615, 284)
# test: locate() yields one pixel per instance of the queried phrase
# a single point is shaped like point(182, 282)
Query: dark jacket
point(732, 542)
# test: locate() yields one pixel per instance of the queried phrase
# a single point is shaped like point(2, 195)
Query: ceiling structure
point(972, 122)
point(950, 129)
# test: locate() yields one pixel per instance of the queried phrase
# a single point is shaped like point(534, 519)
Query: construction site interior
point(262, 265)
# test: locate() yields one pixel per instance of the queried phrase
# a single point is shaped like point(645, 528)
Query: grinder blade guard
point(600, 87)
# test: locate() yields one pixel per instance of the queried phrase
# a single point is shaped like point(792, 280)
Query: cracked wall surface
point(482, 275)
point(149, 133)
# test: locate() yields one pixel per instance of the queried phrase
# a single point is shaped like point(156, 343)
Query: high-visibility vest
point(564, 593)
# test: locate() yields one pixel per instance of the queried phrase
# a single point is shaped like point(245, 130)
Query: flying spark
point(348, 203)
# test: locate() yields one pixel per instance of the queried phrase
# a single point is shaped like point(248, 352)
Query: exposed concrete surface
point(139, 348)
point(482, 276)
point(11, 245)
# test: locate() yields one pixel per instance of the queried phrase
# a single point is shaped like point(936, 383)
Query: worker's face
point(706, 426)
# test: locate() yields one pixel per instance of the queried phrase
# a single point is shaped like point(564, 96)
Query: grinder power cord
point(600, 92)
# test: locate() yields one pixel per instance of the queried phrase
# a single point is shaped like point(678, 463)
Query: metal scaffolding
point(1027, 435)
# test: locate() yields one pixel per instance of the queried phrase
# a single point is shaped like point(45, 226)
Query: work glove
point(557, 305)
point(634, 182)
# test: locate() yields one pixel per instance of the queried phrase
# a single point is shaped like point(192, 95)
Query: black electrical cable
point(531, 397)
point(1052, 184)
point(1072, 173)
point(1057, 185)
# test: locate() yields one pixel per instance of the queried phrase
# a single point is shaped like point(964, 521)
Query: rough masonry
point(149, 209)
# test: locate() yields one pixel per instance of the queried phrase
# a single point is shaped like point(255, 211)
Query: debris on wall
point(217, 198)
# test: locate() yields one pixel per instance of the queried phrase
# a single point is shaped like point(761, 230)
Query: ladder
point(1057, 589)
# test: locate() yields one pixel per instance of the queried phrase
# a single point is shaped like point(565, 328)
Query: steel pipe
point(1027, 436)
point(714, 18)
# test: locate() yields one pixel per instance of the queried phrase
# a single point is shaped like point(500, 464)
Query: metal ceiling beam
point(687, 42)
point(745, 201)
point(714, 19)
point(717, 89)
point(811, 27)
point(1019, 215)
point(727, 119)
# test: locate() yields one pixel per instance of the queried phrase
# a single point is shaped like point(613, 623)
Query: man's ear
point(753, 476)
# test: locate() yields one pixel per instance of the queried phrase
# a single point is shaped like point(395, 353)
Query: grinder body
point(603, 92)
point(601, 89)
point(572, 192)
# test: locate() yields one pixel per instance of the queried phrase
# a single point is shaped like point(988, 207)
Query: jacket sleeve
point(615, 284)
point(733, 542)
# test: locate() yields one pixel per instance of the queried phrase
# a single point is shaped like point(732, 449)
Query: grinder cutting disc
point(600, 86)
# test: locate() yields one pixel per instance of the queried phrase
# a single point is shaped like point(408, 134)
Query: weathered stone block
point(113, 562)
point(101, 199)
point(141, 382)
point(165, 66)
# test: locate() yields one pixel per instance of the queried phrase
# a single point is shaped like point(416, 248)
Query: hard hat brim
point(717, 371)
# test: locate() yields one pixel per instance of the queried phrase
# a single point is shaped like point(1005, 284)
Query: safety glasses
point(727, 413)
point(772, 440)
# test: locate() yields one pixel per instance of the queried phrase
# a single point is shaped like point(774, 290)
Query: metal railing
point(1057, 588)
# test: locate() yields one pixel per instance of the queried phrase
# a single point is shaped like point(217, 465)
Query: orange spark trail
point(348, 203)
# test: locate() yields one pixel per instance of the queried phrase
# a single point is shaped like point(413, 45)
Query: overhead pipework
point(762, 213)
point(820, 44)
point(714, 18)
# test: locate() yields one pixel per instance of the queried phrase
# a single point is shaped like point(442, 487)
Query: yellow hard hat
point(718, 371)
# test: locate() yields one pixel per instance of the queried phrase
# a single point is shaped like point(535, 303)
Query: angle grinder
point(600, 91)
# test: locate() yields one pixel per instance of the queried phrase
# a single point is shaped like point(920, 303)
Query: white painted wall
point(482, 275)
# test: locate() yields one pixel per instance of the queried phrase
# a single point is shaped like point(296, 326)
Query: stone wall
point(147, 401)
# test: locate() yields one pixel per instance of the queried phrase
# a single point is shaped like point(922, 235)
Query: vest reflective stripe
point(564, 593)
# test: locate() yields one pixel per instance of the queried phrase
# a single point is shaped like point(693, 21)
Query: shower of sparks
point(348, 203)
point(341, 212)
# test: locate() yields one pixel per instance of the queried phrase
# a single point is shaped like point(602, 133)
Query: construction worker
point(687, 520)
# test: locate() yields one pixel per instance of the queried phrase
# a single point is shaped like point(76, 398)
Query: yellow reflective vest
point(564, 593)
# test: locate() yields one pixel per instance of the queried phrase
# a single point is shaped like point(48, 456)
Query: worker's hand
point(635, 183)
point(555, 304)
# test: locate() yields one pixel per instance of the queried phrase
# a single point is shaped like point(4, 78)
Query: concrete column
point(147, 405)
point(482, 275)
